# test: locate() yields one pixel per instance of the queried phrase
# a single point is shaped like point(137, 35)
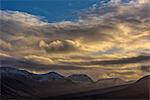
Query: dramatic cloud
point(22, 18)
point(39, 59)
point(138, 59)
point(108, 33)
point(145, 68)
point(8, 61)
point(60, 46)
point(5, 46)
point(97, 30)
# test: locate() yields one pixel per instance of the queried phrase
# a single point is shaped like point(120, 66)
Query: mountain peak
point(145, 78)
point(110, 82)
point(13, 70)
point(80, 78)
point(51, 76)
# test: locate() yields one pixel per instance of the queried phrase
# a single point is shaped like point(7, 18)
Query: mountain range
point(18, 84)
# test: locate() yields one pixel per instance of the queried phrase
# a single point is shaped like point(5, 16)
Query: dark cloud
point(130, 60)
point(125, 60)
point(145, 68)
point(34, 66)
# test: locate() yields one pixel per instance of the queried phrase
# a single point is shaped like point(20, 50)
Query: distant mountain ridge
point(10, 72)
point(17, 83)
point(138, 90)
point(80, 78)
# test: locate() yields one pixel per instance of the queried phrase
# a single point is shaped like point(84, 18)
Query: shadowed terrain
point(20, 84)
point(137, 90)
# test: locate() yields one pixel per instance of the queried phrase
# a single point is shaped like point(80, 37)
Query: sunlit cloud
point(105, 31)
point(61, 46)
point(22, 18)
point(39, 59)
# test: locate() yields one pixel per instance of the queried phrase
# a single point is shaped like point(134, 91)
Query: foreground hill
point(21, 84)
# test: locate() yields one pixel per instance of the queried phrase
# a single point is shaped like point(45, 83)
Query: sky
point(51, 10)
point(96, 37)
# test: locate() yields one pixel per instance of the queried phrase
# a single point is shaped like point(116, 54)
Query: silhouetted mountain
point(16, 83)
point(138, 90)
point(20, 84)
point(108, 82)
point(80, 78)
point(52, 76)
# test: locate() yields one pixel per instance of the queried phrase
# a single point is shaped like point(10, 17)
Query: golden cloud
point(122, 31)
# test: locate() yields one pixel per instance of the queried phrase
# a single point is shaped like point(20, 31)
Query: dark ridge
point(52, 73)
point(11, 70)
point(21, 84)
point(144, 78)
point(5, 70)
point(137, 90)
point(109, 79)
point(80, 78)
